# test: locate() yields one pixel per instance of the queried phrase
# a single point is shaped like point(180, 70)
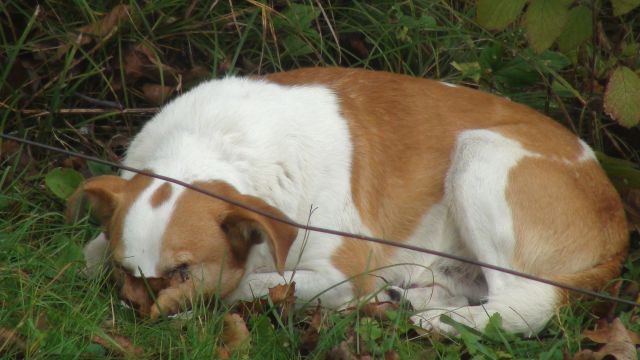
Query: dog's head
point(170, 242)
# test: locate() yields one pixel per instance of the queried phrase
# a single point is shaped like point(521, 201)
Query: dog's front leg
point(331, 290)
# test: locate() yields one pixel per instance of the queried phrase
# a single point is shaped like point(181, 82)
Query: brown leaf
point(196, 73)
point(378, 310)
point(74, 162)
point(108, 23)
point(619, 344)
point(118, 344)
point(605, 333)
point(283, 294)
point(98, 30)
point(234, 332)
point(341, 352)
point(142, 62)
point(156, 94)
point(391, 355)
point(42, 322)
point(311, 335)
point(9, 338)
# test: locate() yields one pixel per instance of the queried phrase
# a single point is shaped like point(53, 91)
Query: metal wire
point(325, 230)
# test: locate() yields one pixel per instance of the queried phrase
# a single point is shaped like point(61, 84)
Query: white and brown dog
point(421, 162)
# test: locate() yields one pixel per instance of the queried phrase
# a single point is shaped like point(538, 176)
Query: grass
point(156, 50)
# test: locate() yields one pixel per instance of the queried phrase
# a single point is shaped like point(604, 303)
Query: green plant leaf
point(578, 29)
point(544, 22)
point(469, 70)
point(622, 97)
point(97, 169)
point(497, 14)
point(621, 7)
point(623, 173)
point(62, 182)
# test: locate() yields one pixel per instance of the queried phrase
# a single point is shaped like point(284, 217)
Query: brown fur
point(162, 194)
point(404, 131)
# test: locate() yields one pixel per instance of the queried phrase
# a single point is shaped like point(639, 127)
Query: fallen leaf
point(391, 355)
point(606, 333)
point(156, 94)
point(142, 62)
point(108, 23)
point(10, 338)
point(97, 30)
point(196, 73)
point(283, 294)
point(378, 310)
point(234, 332)
point(341, 352)
point(74, 162)
point(117, 344)
point(311, 335)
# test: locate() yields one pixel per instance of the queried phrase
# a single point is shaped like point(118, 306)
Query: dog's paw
point(431, 320)
point(169, 302)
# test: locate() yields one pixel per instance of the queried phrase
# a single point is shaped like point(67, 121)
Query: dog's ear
point(245, 228)
point(102, 194)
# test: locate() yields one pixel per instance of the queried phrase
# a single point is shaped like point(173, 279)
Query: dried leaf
point(341, 352)
point(99, 29)
point(142, 62)
point(107, 24)
point(391, 355)
point(118, 344)
point(378, 310)
point(156, 94)
point(311, 335)
point(235, 332)
point(622, 97)
point(606, 333)
point(196, 73)
point(544, 22)
point(9, 338)
point(283, 294)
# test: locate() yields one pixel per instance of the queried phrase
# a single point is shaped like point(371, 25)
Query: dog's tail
point(596, 278)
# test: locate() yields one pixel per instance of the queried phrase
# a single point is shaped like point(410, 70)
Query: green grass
point(57, 312)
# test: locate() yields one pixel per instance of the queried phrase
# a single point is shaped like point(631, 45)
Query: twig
point(80, 111)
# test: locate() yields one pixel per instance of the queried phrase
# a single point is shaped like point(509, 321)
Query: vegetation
point(85, 75)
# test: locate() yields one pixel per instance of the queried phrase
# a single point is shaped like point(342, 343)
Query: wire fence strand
point(306, 227)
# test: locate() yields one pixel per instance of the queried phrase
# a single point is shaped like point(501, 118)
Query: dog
point(417, 161)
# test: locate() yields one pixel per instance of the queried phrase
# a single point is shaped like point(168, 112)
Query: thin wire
point(325, 230)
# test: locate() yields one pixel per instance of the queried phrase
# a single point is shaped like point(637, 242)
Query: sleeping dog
point(420, 162)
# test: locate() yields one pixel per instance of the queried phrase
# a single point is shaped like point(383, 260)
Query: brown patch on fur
point(162, 194)
point(569, 222)
point(356, 258)
point(404, 131)
point(199, 220)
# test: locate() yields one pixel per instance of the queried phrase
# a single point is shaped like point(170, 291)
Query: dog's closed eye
point(182, 271)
